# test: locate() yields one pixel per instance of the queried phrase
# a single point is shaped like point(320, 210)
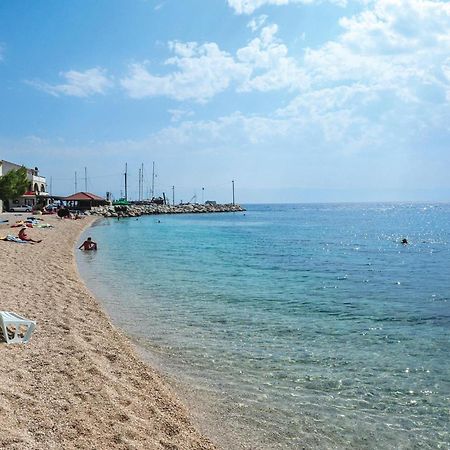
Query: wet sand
point(78, 383)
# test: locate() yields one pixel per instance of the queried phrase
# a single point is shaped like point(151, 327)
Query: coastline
point(79, 382)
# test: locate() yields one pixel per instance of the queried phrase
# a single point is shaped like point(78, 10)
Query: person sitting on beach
point(88, 244)
point(24, 236)
point(63, 212)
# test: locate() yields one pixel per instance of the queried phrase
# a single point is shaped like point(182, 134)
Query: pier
point(152, 208)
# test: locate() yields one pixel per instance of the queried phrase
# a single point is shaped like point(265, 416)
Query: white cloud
point(78, 84)
point(270, 64)
point(390, 65)
point(397, 44)
point(388, 70)
point(204, 70)
point(250, 6)
point(179, 114)
point(323, 101)
point(396, 49)
point(257, 22)
point(383, 83)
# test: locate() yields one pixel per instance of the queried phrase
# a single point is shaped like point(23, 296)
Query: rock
point(147, 209)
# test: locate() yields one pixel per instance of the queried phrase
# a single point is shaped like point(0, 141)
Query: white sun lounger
point(16, 329)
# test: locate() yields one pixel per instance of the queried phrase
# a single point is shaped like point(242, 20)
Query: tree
point(13, 184)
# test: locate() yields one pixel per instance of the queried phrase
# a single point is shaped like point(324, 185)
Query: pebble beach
point(78, 383)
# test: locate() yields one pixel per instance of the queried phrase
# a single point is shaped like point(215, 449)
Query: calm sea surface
point(296, 326)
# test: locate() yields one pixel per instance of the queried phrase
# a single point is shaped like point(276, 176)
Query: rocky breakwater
point(140, 210)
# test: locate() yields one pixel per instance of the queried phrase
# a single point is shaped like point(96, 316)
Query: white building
point(37, 186)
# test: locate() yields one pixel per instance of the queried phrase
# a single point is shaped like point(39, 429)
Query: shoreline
point(79, 382)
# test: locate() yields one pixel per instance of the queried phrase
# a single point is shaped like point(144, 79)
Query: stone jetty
point(152, 208)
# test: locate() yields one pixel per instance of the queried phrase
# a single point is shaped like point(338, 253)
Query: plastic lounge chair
point(16, 329)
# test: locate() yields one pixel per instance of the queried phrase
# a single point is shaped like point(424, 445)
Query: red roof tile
point(86, 196)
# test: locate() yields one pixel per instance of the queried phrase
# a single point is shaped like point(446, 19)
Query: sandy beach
point(78, 383)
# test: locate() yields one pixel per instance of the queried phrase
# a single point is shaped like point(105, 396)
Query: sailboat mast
point(153, 180)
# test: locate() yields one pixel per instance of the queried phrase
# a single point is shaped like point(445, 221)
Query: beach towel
point(11, 238)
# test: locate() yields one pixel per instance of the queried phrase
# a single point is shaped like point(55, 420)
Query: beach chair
point(16, 329)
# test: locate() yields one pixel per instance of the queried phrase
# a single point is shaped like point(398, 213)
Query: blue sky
point(297, 100)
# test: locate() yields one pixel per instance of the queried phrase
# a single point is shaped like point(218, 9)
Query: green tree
point(13, 184)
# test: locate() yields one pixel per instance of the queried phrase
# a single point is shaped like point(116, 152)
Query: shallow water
point(297, 325)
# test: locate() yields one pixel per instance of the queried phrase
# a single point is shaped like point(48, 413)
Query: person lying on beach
point(88, 244)
point(24, 236)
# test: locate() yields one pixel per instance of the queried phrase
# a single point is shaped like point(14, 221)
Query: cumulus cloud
point(396, 43)
point(399, 47)
point(204, 70)
point(77, 84)
point(271, 67)
point(250, 6)
point(383, 83)
point(390, 61)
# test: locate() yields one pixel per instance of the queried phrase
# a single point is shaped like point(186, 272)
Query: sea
point(290, 326)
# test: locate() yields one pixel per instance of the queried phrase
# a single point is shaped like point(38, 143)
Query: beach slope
point(77, 383)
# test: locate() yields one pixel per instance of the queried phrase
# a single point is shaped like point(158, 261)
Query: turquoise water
point(297, 326)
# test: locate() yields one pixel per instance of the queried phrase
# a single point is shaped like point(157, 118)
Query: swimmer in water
point(405, 241)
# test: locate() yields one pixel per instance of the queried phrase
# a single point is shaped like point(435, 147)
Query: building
point(37, 187)
point(84, 200)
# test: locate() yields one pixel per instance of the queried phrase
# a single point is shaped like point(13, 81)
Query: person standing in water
point(88, 244)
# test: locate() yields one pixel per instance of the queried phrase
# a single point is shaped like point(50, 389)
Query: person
point(404, 241)
point(24, 236)
point(63, 212)
point(88, 244)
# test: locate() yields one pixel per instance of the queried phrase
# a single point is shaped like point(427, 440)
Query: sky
point(294, 100)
